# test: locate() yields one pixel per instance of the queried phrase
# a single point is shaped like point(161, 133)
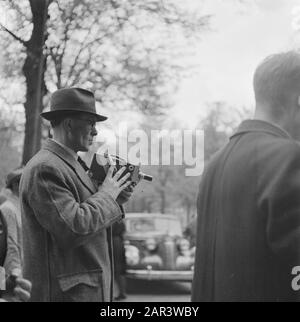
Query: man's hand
point(21, 292)
point(113, 185)
point(125, 195)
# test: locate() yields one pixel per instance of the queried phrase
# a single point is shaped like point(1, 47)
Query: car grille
point(168, 252)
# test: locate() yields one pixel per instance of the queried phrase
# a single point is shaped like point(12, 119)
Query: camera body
point(101, 163)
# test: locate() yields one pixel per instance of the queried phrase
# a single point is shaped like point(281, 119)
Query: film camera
point(101, 163)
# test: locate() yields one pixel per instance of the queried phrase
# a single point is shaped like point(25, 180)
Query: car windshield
point(154, 225)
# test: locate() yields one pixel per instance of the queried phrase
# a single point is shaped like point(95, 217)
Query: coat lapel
point(55, 148)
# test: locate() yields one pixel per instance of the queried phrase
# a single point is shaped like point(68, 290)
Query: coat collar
point(73, 153)
point(68, 158)
point(260, 126)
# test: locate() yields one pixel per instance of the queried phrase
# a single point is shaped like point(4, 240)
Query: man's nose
point(94, 131)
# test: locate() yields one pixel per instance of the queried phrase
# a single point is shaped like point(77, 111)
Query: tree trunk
point(34, 70)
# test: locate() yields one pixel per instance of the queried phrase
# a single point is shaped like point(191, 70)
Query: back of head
point(277, 83)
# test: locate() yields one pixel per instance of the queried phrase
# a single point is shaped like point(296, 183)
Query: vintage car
point(156, 249)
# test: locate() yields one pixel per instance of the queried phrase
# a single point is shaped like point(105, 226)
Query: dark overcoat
point(248, 228)
point(66, 229)
point(118, 231)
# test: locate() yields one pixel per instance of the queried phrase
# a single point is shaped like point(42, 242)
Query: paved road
point(157, 291)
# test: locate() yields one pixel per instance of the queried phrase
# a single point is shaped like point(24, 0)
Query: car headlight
point(132, 255)
point(183, 246)
point(185, 258)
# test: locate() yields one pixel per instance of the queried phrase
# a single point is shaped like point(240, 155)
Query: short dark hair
point(56, 122)
point(276, 77)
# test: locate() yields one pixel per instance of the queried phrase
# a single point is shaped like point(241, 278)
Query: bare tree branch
point(23, 42)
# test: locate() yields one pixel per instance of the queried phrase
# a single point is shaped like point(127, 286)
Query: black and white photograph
point(149, 153)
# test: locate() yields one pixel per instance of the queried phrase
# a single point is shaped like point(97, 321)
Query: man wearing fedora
point(67, 219)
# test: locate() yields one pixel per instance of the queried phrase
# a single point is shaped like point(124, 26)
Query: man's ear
point(67, 122)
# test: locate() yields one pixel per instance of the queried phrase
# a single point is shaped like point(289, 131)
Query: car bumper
point(152, 275)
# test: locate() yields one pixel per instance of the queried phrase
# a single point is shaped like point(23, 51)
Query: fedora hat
point(71, 100)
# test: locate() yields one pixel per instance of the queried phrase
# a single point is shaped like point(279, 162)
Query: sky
point(242, 33)
point(241, 36)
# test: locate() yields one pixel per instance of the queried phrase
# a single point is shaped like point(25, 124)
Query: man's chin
point(84, 149)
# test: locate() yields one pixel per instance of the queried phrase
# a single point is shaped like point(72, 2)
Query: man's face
point(82, 132)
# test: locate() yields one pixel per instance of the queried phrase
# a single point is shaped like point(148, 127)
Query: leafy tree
point(31, 21)
point(220, 122)
point(127, 51)
point(171, 189)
